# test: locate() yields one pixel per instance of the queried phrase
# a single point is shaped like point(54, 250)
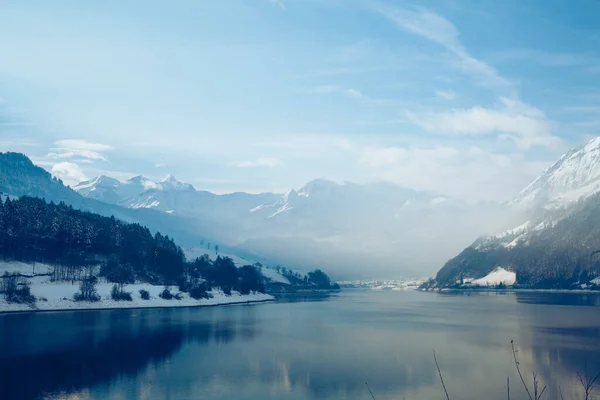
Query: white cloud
point(269, 162)
point(69, 172)
point(329, 89)
point(435, 28)
point(446, 94)
point(63, 153)
point(160, 165)
point(82, 145)
point(71, 148)
point(525, 125)
point(472, 174)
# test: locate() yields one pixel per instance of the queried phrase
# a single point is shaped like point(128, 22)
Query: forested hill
point(20, 177)
point(78, 242)
point(32, 230)
point(562, 252)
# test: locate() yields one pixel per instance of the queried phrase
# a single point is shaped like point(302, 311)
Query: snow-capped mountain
point(171, 196)
point(556, 231)
point(573, 176)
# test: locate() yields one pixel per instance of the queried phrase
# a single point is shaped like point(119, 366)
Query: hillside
point(20, 177)
point(557, 245)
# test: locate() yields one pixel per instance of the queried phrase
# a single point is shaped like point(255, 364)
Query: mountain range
point(354, 230)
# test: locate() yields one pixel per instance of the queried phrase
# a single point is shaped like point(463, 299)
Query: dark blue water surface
point(323, 347)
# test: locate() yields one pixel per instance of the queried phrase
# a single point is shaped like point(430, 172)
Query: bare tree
point(536, 393)
point(588, 382)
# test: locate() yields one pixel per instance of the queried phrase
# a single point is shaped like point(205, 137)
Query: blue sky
point(467, 98)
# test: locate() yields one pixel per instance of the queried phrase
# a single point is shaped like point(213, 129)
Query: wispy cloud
point(82, 145)
point(280, 3)
point(525, 125)
point(540, 57)
point(584, 109)
point(446, 94)
point(160, 165)
point(437, 29)
point(329, 89)
point(269, 162)
point(71, 148)
point(470, 173)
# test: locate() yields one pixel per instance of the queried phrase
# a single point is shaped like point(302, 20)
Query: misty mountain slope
point(554, 255)
point(560, 233)
point(349, 229)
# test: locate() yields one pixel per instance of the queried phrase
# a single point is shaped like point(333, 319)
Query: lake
point(315, 347)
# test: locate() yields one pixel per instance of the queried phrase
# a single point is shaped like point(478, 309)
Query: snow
point(274, 276)
point(497, 276)
point(573, 176)
point(510, 232)
point(193, 252)
point(17, 267)
point(59, 296)
point(596, 281)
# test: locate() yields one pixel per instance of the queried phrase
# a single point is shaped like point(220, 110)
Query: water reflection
point(65, 352)
point(304, 347)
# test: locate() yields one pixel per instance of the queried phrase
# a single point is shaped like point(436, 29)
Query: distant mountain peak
point(171, 183)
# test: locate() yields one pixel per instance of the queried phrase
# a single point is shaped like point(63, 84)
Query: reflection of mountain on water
point(112, 344)
point(304, 297)
point(563, 299)
point(561, 340)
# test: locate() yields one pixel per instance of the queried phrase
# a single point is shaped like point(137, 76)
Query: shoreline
point(123, 305)
point(509, 290)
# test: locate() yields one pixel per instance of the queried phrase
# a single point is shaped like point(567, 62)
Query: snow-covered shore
point(58, 296)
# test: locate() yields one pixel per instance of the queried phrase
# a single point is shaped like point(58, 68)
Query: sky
point(470, 99)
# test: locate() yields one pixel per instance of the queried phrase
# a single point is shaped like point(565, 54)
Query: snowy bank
point(55, 296)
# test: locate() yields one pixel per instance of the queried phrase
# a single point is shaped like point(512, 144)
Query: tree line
point(76, 242)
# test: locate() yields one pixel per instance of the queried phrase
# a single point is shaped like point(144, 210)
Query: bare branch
point(440, 373)
point(560, 392)
point(512, 343)
point(369, 389)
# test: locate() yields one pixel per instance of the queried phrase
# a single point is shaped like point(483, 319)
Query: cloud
point(472, 173)
point(269, 162)
point(69, 172)
point(329, 89)
point(525, 125)
point(71, 148)
point(160, 165)
point(82, 145)
point(280, 3)
point(541, 57)
point(445, 94)
point(437, 29)
point(584, 109)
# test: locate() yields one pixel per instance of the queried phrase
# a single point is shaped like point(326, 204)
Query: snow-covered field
point(497, 276)
point(54, 296)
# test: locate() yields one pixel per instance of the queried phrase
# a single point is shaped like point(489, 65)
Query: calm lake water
point(323, 347)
